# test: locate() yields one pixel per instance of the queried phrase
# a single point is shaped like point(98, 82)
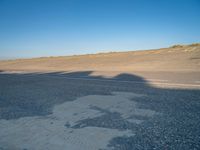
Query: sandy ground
point(147, 100)
point(177, 64)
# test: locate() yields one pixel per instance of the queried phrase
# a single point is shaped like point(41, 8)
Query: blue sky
point(34, 28)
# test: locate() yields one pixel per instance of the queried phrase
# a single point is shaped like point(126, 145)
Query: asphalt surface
point(127, 109)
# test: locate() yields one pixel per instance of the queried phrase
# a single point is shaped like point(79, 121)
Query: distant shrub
point(177, 46)
point(195, 44)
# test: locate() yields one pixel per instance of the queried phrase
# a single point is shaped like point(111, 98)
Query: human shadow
point(35, 94)
point(176, 125)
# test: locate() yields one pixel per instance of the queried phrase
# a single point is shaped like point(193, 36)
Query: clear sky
point(34, 28)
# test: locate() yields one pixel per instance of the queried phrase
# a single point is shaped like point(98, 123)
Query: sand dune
point(175, 58)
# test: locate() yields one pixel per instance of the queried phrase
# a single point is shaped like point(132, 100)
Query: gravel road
point(125, 112)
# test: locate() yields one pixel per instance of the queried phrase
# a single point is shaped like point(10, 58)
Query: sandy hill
point(175, 58)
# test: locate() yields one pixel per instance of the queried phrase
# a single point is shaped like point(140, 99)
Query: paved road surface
point(79, 111)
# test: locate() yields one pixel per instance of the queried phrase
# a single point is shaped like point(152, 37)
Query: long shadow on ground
point(177, 126)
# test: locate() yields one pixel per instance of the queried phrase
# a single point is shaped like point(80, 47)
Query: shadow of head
point(130, 77)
